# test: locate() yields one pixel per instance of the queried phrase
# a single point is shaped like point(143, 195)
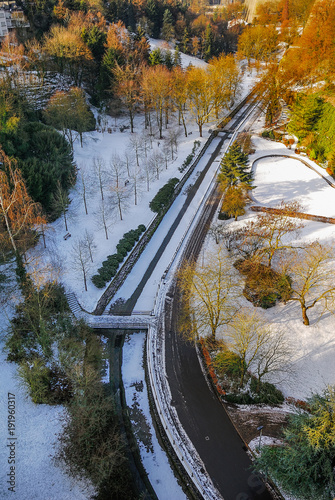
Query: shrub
point(229, 363)
point(37, 378)
point(121, 250)
point(164, 196)
point(98, 281)
point(263, 285)
point(113, 260)
point(264, 392)
point(223, 216)
point(141, 228)
point(268, 134)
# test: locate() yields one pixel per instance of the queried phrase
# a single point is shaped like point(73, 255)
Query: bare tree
point(81, 259)
point(116, 170)
point(156, 163)
point(99, 167)
point(217, 231)
point(82, 187)
point(147, 173)
point(258, 347)
point(211, 291)
point(274, 230)
point(313, 282)
point(166, 153)
point(136, 180)
point(135, 145)
point(103, 216)
point(172, 141)
point(119, 199)
point(60, 203)
point(88, 242)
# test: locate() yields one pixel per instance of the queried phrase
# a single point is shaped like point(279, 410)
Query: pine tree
point(185, 41)
point(167, 32)
point(177, 57)
point(234, 170)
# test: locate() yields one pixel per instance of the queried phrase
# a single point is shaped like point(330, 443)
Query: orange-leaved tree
point(18, 212)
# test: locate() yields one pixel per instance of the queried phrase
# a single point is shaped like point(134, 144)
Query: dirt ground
point(247, 419)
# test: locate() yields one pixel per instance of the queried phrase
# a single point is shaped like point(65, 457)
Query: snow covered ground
point(313, 346)
point(33, 443)
point(153, 456)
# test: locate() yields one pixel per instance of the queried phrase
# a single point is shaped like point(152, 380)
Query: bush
point(229, 363)
point(268, 134)
point(223, 216)
point(113, 260)
point(164, 196)
point(263, 285)
point(141, 228)
point(98, 281)
point(264, 392)
point(121, 250)
point(37, 378)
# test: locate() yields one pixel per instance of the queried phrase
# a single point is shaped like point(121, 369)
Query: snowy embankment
point(30, 446)
point(153, 457)
point(312, 365)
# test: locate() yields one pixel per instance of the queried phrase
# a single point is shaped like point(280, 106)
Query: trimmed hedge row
point(189, 157)
point(110, 266)
point(163, 196)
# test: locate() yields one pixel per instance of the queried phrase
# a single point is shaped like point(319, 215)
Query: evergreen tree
point(167, 32)
point(177, 57)
point(152, 12)
point(208, 43)
point(306, 112)
point(304, 464)
point(234, 170)
point(185, 41)
point(156, 57)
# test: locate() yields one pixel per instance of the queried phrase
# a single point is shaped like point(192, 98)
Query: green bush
point(37, 378)
point(264, 392)
point(121, 249)
point(98, 281)
point(223, 216)
point(229, 363)
point(239, 399)
point(268, 134)
point(164, 196)
point(110, 266)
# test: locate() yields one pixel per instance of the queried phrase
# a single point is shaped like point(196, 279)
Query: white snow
point(37, 477)
point(153, 456)
point(313, 346)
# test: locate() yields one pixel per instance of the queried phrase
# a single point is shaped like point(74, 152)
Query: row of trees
point(205, 91)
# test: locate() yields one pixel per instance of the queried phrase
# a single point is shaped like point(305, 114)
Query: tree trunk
point(304, 315)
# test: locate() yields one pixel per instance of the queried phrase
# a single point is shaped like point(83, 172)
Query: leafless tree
point(104, 216)
point(99, 167)
point(116, 170)
point(211, 290)
point(156, 163)
point(313, 281)
point(136, 181)
point(88, 242)
point(136, 146)
point(172, 141)
point(119, 198)
point(258, 346)
point(81, 259)
point(273, 231)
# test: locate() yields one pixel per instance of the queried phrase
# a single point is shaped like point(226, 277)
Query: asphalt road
point(205, 420)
